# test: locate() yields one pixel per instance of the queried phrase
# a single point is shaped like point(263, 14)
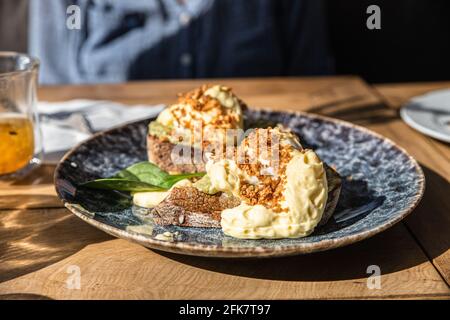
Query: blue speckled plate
point(382, 184)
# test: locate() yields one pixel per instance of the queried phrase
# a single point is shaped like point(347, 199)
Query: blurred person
point(159, 39)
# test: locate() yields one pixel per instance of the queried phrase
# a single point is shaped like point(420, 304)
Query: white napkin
point(65, 124)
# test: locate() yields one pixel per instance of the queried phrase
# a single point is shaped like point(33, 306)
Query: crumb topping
point(264, 157)
point(196, 105)
point(203, 116)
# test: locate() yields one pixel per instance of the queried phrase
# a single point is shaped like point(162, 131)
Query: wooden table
point(40, 241)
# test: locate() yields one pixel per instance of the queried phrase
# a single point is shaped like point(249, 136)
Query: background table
point(40, 240)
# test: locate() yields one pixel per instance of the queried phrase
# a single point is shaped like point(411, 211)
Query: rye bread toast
point(159, 152)
point(189, 207)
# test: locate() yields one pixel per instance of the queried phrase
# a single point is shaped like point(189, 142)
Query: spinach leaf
point(121, 184)
point(124, 174)
point(140, 177)
point(145, 172)
point(152, 174)
point(172, 179)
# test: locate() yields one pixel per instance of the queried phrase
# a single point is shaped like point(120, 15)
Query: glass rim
point(33, 63)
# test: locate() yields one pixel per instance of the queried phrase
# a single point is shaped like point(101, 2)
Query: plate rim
point(433, 133)
point(245, 252)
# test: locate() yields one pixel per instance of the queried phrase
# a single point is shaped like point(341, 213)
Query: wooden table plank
point(430, 222)
point(142, 273)
point(396, 95)
point(33, 239)
point(277, 93)
point(38, 248)
point(33, 191)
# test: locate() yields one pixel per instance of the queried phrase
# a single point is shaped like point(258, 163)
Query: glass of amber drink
point(20, 135)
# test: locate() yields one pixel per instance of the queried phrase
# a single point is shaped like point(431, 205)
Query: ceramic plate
point(429, 114)
point(381, 185)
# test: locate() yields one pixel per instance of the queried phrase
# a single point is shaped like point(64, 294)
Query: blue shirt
point(160, 39)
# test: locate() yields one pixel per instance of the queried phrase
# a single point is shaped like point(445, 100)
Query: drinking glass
point(20, 135)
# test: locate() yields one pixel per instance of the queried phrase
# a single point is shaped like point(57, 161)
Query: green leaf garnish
point(150, 173)
point(145, 172)
point(140, 177)
point(121, 185)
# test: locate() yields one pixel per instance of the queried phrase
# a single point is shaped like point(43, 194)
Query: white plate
point(429, 114)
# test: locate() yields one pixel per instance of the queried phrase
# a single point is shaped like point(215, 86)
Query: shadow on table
point(23, 201)
point(392, 250)
point(23, 296)
point(39, 176)
point(34, 239)
point(358, 113)
point(430, 221)
point(40, 179)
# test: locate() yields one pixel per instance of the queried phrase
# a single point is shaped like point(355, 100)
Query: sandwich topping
point(206, 110)
point(153, 198)
point(279, 189)
point(282, 187)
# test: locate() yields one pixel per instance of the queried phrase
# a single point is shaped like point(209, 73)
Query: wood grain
point(396, 95)
point(277, 93)
point(40, 240)
point(33, 191)
point(430, 222)
point(39, 246)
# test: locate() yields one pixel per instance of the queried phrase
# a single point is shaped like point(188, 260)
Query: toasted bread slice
point(189, 207)
point(160, 153)
point(334, 182)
